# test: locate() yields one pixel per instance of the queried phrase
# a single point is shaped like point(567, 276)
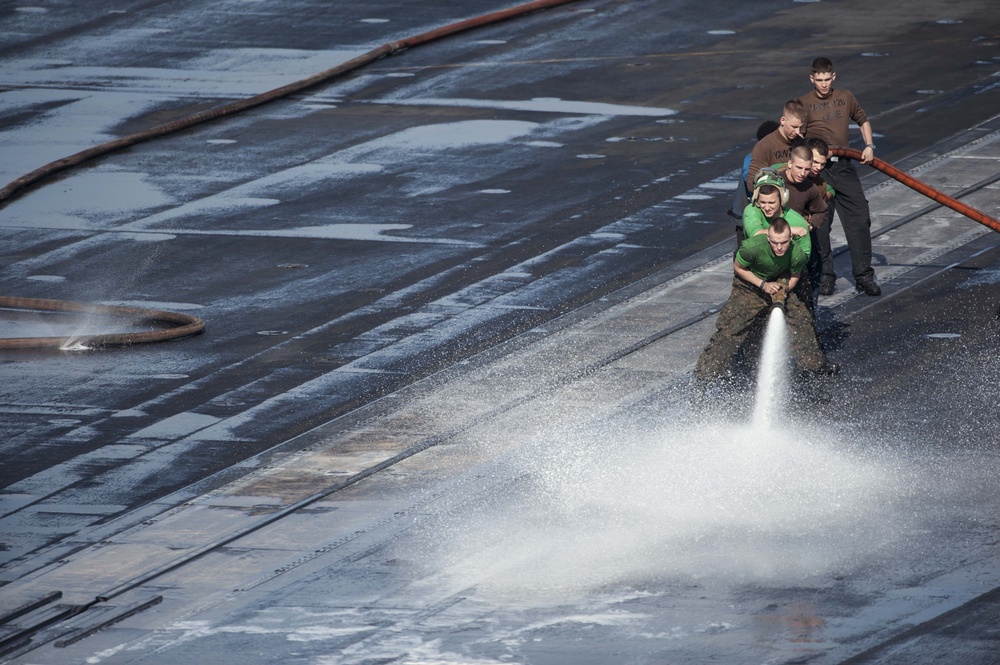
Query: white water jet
point(772, 373)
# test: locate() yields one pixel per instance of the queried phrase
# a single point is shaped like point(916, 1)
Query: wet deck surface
point(441, 410)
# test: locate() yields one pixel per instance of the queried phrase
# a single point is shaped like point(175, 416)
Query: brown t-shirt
point(806, 198)
point(829, 119)
point(772, 149)
point(823, 185)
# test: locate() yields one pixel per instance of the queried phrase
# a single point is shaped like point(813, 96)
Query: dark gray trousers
point(852, 207)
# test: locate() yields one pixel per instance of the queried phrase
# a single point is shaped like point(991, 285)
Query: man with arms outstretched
point(766, 268)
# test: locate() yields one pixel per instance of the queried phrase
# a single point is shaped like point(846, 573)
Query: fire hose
point(325, 76)
point(189, 325)
point(184, 325)
point(923, 188)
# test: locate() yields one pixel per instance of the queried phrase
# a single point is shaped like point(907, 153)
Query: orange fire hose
point(387, 49)
point(921, 187)
point(185, 325)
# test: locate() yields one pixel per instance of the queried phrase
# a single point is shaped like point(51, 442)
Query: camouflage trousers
point(746, 309)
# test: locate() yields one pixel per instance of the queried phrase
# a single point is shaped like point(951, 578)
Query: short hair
point(802, 151)
point(766, 128)
point(769, 189)
point(796, 109)
point(819, 145)
point(779, 226)
point(821, 66)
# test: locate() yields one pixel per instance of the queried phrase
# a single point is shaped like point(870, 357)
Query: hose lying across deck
point(184, 324)
point(324, 76)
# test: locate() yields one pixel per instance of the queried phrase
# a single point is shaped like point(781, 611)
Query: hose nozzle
point(779, 297)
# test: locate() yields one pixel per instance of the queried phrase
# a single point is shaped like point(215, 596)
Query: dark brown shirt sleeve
point(772, 149)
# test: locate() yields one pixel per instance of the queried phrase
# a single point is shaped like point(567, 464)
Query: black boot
point(827, 285)
point(867, 285)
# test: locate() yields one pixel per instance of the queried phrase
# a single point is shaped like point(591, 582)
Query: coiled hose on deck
point(184, 325)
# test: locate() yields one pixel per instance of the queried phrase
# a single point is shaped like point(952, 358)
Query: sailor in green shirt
point(767, 267)
point(770, 201)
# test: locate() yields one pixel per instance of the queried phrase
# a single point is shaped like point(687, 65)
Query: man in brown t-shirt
point(821, 260)
point(829, 114)
point(804, 196)
point(774, 148)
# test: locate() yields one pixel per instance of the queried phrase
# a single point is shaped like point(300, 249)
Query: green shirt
point(754, 220)
point(756, 255)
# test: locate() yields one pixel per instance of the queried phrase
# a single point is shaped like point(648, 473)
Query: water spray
point(772, 372)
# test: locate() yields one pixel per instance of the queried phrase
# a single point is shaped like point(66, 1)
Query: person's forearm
point(866, 132)
point(868, 152)
point(748, 276)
